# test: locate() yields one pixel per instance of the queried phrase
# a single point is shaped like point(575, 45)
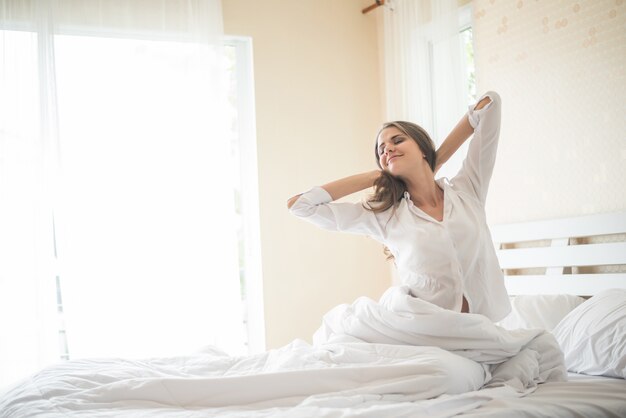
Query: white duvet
point(398, 357)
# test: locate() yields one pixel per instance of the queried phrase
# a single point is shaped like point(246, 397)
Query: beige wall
point(560, 68)
point(318, 107)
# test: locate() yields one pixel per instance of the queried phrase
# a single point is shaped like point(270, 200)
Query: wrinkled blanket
point(520, 358)
point(397, 357)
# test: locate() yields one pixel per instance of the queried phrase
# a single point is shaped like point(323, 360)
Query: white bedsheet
point(399, 357)
point(580, 397)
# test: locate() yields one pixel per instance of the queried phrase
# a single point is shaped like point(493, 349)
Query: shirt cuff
point(314, 196)
point(473, 116)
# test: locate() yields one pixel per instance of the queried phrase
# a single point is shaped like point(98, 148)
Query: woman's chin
point(395, 173)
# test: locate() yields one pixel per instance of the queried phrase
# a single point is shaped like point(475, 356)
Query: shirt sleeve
point(477, 167)
point(316, 206)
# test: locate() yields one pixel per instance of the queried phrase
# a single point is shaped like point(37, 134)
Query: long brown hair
point(389, 189)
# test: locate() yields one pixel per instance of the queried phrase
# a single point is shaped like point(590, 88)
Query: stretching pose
point(436, 230)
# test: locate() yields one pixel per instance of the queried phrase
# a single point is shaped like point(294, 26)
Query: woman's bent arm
point(346, 186)
point(457, 137)
point(453, 141)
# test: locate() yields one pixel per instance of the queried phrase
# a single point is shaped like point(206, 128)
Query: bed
point(561, 352)
point(582, 256)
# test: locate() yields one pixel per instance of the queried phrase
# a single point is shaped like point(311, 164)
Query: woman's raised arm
point(457, 137)
point(345, 186)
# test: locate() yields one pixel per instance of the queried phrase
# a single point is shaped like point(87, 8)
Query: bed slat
point(574, 255)
point(576, 284)
point(581, 226)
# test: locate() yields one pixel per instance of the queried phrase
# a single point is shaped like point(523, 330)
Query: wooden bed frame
point(561, 254)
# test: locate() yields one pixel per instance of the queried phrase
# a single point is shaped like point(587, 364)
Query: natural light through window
point(146, 223)
point(468, 56)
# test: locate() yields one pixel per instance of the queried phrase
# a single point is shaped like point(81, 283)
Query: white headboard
point(560, 254)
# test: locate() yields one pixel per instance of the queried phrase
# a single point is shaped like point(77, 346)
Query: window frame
point(254, 316)
point(465, 23)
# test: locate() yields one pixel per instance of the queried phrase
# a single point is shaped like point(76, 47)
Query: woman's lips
point(389, 160)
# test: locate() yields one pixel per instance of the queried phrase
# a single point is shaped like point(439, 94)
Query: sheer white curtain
point(425, 80)
point(28, 318)
point(113, 124)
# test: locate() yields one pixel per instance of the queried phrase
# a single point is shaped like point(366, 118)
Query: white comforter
point(399, 357)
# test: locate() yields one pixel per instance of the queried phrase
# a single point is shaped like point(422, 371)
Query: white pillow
point(593, 336)
point(539, 311)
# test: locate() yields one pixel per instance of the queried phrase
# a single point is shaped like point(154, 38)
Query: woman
point(435, 229)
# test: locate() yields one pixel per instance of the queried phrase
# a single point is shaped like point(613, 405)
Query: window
point(467, 51)
point(460, 95)
point(154, 221)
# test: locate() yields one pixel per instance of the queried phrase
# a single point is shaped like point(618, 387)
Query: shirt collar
point(441, 181)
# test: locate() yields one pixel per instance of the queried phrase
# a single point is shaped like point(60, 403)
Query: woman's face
point(397, 152)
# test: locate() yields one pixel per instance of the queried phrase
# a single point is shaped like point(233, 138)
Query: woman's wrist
point(352, 184)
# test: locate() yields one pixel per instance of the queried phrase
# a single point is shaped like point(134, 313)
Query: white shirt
point(439, 261)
